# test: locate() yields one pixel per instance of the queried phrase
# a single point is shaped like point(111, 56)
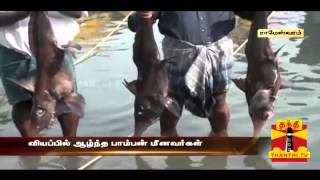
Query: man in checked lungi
point(203, 55)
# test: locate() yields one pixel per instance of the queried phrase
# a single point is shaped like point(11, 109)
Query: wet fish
point(52, 88)
point(263, 80)
point(152, 86)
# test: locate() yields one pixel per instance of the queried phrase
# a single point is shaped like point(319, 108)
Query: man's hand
point(145, 14)
point(135, 19)
point(10, 17)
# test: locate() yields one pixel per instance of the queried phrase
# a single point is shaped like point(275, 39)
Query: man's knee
point(69, 123)
point(168, 121)
point(219, 118)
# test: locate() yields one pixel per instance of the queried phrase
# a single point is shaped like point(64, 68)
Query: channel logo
point(289, 141)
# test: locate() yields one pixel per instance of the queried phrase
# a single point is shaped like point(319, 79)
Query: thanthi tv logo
point(289, 141)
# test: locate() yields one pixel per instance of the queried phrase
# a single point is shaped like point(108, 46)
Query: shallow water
point(109, 110)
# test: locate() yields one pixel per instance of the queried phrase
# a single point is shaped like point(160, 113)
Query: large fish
point(152, 86)
point(52, 88)
point(263, 79)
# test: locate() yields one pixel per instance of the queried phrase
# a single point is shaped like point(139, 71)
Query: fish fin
point(286, 84)
point(131, 86)
point(278, 50)
point(26, 83)
point(172, 106)
point(72, 45)
point(240, 83)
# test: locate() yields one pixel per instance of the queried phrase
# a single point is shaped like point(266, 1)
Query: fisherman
point(16, 62)
point(203, 52)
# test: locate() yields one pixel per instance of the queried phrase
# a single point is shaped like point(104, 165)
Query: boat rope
point(89, 53)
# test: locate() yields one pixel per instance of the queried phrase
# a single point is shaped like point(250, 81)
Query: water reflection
point(208, 162)
point(39, 162)
point(308, 54)
point(259, 161)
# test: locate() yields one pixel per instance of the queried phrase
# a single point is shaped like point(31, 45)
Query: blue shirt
point(197, 27)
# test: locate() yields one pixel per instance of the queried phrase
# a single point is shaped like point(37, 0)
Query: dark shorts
point(15, 65)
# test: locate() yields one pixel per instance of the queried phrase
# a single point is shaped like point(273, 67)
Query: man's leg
point(69, 124)
point(219, 119)
point(168, 122)
point(22, 119)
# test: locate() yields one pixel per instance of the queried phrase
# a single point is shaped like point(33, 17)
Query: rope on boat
point(92, 50)
point(89, 163)
point(92, 161)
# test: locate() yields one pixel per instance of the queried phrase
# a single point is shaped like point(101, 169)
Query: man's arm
point(134, 19)
point(73, 14)
point(10, 17)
